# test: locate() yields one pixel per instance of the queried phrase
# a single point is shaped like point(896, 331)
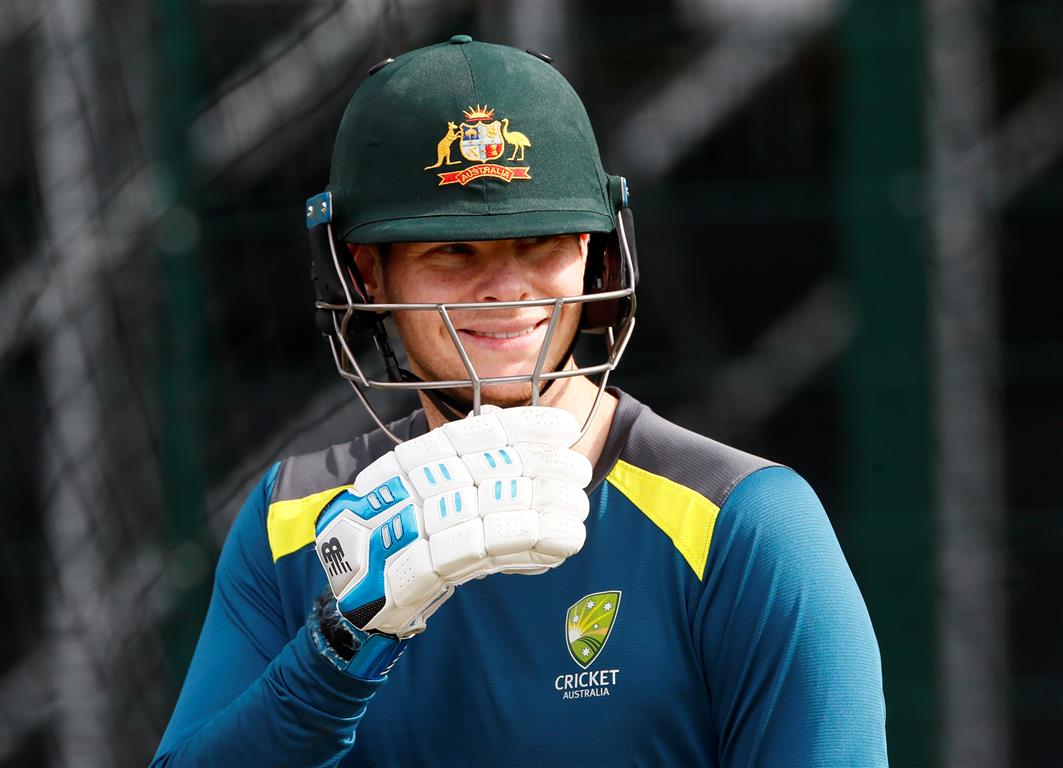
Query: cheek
point(396, 282)
point(570, 279)
point(569, 282)
point(416, 325)
point(407, 281)
point(413, 286)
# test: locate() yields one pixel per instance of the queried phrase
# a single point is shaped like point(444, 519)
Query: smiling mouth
point(513, 335)
point(506, 335)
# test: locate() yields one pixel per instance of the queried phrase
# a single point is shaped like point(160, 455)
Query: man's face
point(501, 342)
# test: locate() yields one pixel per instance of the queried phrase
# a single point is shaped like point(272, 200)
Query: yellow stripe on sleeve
point(290, 524)
point(686, 517)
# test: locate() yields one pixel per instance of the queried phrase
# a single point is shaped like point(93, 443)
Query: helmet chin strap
point(452, 407)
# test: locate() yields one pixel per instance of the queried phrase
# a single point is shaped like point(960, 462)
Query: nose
point(503, 277)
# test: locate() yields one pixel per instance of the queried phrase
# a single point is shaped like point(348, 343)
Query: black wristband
point(333, 627)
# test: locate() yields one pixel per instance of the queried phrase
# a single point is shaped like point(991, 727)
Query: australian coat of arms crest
point(481, 140)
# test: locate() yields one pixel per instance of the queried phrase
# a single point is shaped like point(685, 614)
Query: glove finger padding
point(498, 492)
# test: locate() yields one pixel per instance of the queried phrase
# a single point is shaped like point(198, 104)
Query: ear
point(584, 241)
point(367, 260)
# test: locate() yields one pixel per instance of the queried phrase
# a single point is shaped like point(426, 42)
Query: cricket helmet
point(465, 141)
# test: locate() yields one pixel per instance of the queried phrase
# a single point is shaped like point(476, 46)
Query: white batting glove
point(498, 492)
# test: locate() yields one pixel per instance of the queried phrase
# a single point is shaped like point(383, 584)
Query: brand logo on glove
point(481, 139)
point(332, 555)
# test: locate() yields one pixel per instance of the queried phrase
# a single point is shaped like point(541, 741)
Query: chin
point(507, 395)
point(502, 395)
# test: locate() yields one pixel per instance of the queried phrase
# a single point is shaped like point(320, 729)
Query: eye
point(544, 247)
point(454, 248)
point(541, 240)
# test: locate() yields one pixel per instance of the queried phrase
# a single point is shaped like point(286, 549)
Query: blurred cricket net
point(156, 330)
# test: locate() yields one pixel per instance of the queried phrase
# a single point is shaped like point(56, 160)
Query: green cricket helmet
point(466, 141)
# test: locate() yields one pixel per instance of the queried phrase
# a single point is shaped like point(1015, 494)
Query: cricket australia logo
point(589, 624)
point(481, 139)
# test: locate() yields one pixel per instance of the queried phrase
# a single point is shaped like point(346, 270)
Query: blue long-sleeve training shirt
point(710, 619)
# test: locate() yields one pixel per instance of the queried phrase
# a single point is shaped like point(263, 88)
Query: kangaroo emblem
point(443, 147)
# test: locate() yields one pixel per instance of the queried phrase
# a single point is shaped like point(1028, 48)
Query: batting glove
point(498, 492)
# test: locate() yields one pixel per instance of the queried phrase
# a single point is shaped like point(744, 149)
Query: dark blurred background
point(846, 212)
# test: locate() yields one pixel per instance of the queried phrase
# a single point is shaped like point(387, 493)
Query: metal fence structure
point(856, 205)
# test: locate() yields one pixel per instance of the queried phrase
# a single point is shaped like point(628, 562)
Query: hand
point(498, 492)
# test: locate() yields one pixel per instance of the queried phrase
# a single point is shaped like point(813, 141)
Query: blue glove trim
point(383, 497)
point(375, 656)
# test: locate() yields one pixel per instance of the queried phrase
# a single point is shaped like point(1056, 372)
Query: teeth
point(513, 335)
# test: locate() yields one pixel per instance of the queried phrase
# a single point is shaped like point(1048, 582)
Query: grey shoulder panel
point(687, 458)
point(338, 465)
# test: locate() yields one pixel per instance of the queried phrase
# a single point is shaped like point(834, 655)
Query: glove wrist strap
point(375, 656)
point(351, 650)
